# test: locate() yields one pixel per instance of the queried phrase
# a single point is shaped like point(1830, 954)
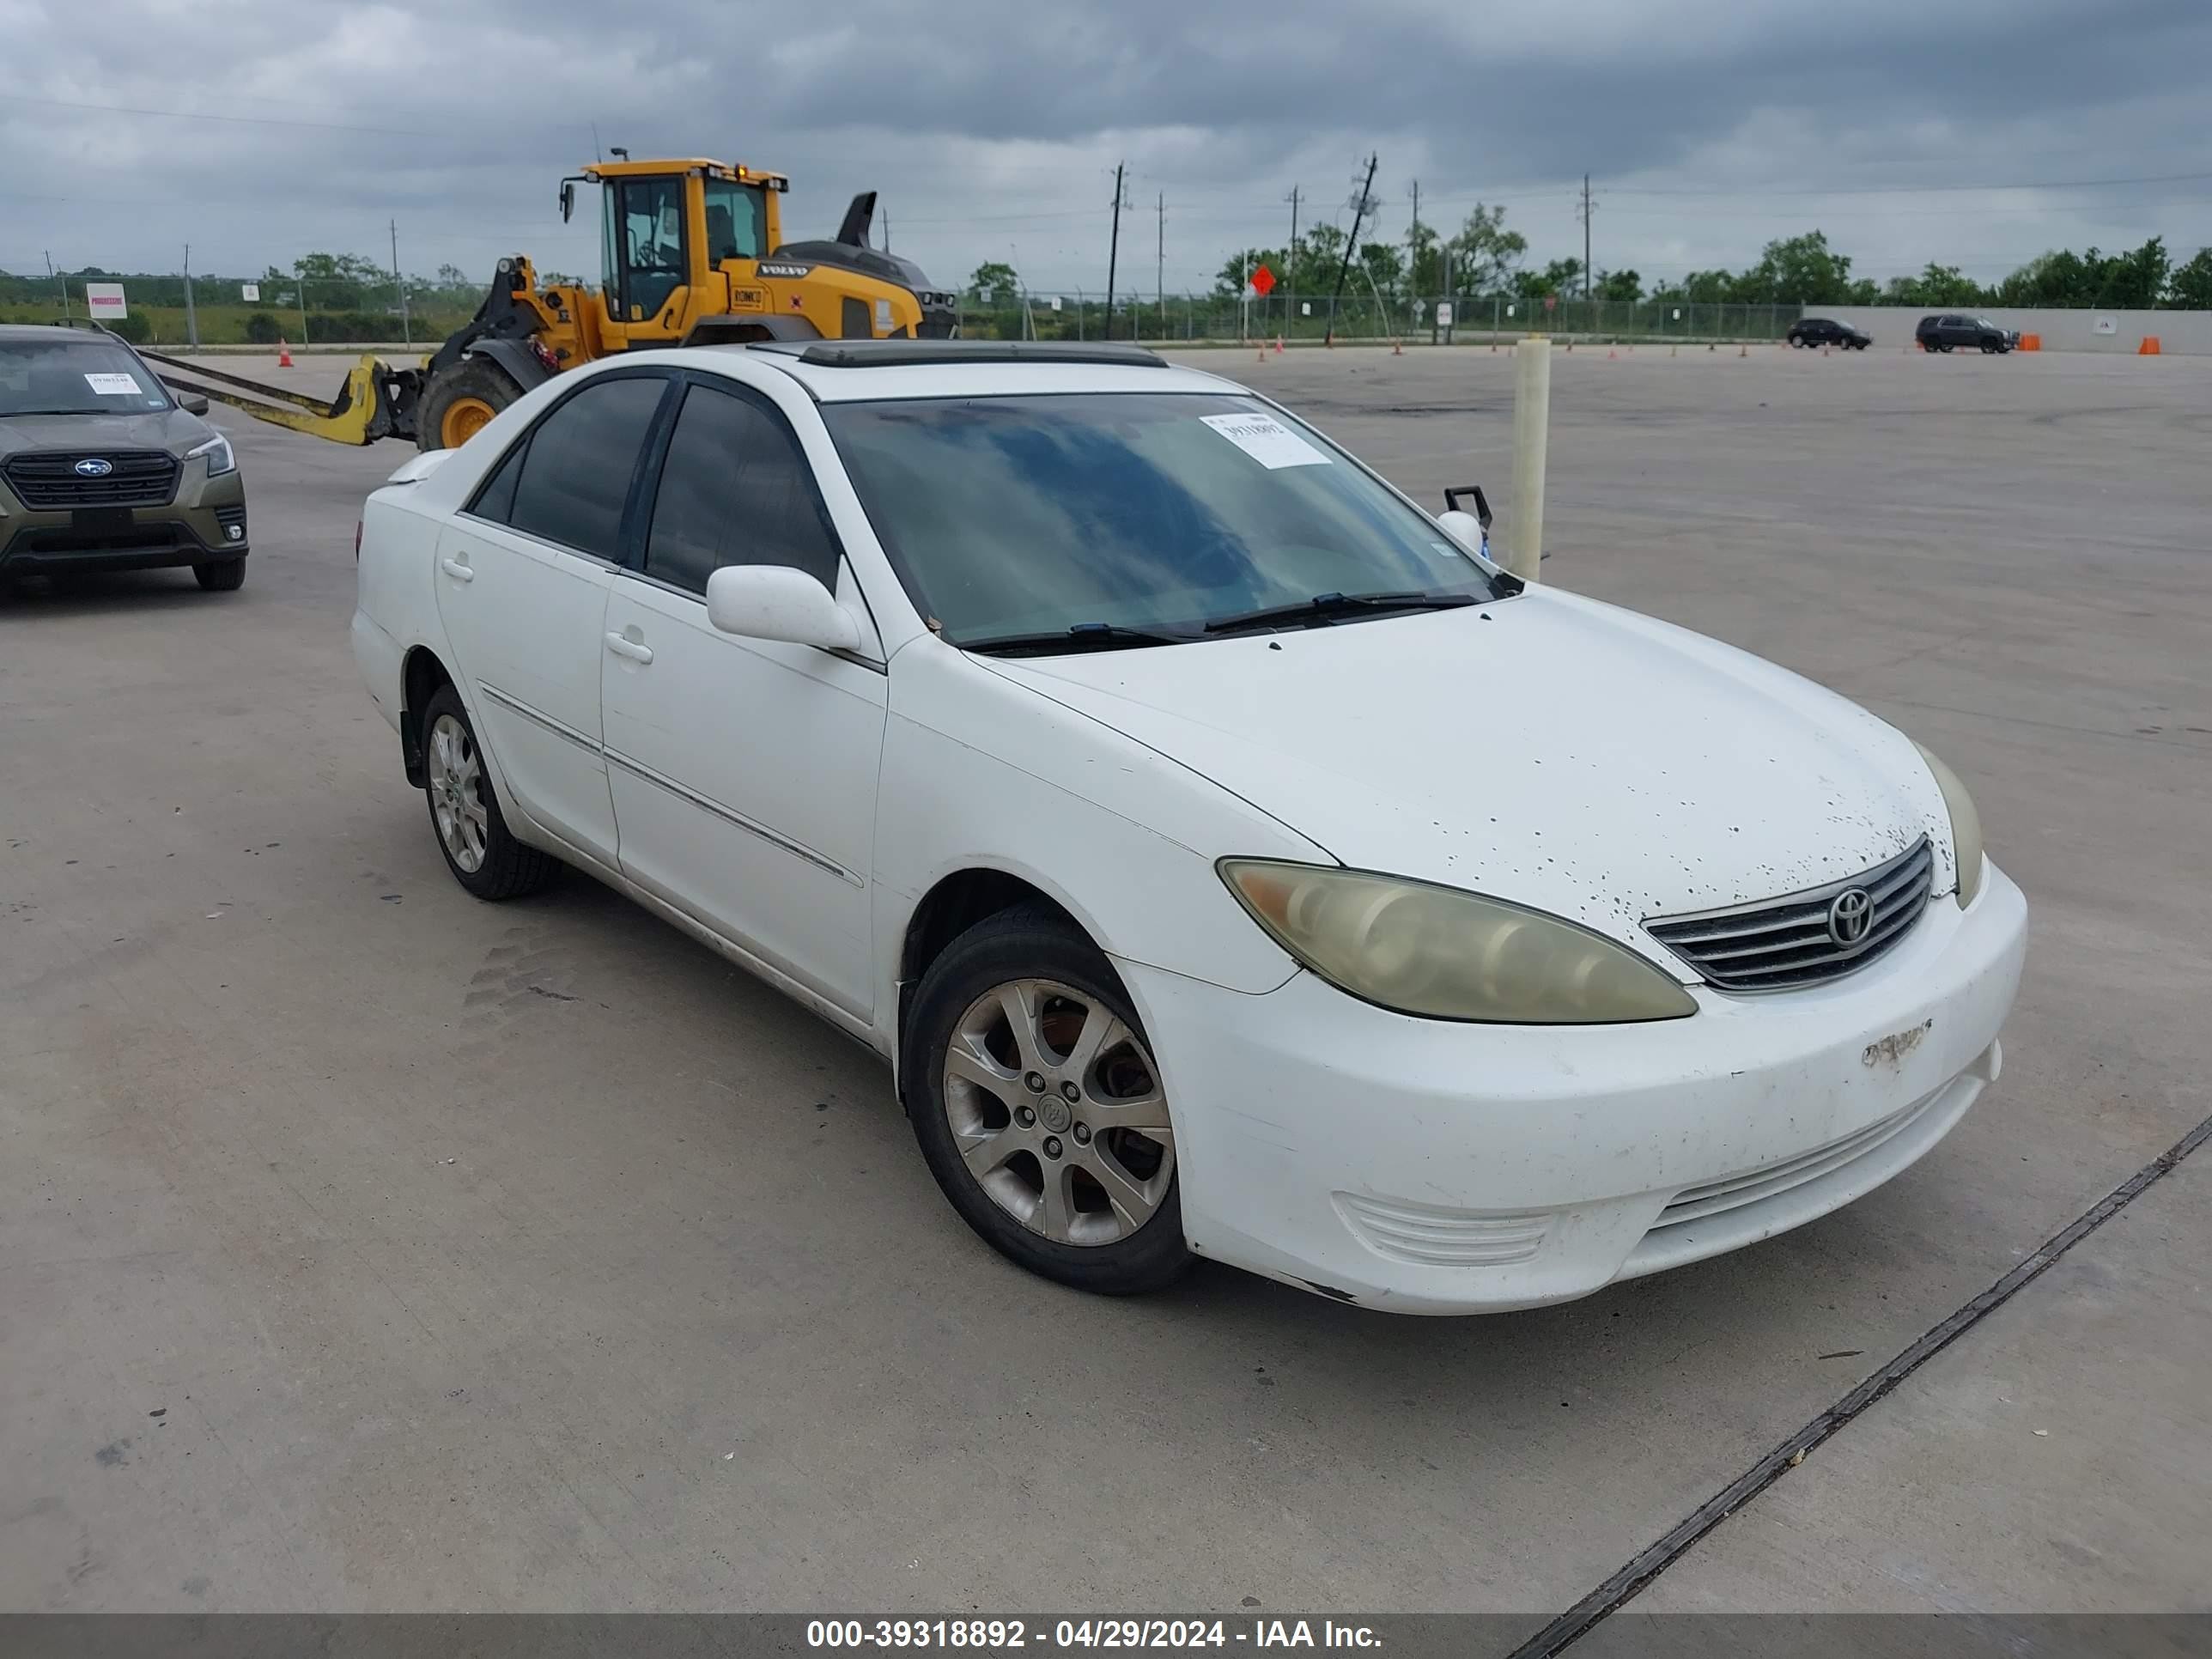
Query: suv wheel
point(221, 575)
point(1039, 1109)
point(480, 850)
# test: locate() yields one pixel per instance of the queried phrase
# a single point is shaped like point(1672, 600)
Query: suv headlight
point(219, 458)
point(1444, 954)
point(1965, 826)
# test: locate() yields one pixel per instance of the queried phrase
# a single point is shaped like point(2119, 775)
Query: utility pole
point(1413, 237)
point(64, 281)
point(1114, 251)
point(300, 273)
point(191, 322)
point(887, 230)
point(1290, 268)
point(406, 327)
point(1359, 205)
point(1585, 216)
point(1160, 268)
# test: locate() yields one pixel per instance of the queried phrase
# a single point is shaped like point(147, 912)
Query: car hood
point(1546, 749)
point(172, 429)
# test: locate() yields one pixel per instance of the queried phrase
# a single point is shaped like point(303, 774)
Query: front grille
point(1786, 943)
point(49, 479)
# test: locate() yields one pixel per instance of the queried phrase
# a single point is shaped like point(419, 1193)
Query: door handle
point(457, 570)
point(633, 649)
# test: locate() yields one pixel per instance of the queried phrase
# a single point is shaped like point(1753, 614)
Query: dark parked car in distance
point(1946, 330)
point(1825, 331)
point(103, 468)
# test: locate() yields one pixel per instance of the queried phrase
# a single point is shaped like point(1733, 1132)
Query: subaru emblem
point(93, 467)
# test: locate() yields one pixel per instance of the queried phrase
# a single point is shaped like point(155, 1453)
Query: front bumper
point(205, 523)
point(1424, 1166)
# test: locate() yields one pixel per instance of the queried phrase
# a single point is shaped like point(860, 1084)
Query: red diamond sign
point(1263, 282)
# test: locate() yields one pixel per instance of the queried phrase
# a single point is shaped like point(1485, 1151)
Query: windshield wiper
point(1325, 607)
point(1084, 636)
point(49, 411)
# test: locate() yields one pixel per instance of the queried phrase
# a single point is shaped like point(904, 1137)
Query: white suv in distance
point(1123, 761)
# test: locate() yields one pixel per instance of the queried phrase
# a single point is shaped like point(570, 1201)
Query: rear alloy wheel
point(221, 575)
point(480, 850)
point(1040, 1109)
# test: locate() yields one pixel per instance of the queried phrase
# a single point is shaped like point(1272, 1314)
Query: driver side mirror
point(567, 198)
point(192, 402)
point(775, 602)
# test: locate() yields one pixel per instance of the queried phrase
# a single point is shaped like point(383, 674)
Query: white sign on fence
point(1443, 313)
point(1678, 313)
point(249, 292)
point(2106, 325)
point(1305, 308)
point(1509, 311)
point(103, 302)
point(1055, 302)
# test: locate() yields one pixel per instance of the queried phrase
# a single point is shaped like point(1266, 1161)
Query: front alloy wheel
point(1039, 1107)
point(1058, 1112)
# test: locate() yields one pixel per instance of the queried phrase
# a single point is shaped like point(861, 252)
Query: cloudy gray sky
point(1978, 132)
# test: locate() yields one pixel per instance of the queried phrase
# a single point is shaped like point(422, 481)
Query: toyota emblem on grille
point(93, 467)
point(1851, 918)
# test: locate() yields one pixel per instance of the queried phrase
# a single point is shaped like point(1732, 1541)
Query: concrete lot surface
point(365, 1247)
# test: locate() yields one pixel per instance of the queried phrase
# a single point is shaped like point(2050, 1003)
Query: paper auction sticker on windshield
point(115, 385)
point(1265, 439)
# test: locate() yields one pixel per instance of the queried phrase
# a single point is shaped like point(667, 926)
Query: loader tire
point(459, 404)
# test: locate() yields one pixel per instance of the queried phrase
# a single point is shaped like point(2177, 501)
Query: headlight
point(1448, 955)
point(1965, 827)
point(220, 459)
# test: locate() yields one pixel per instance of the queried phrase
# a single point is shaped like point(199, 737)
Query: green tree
point(1485, 252)
point(2191, 284)
point(1320, 252)
point(1562, 276)
point(2136, 281)
point(1793, 269)
point(1385, 265)
point(1624, 285)
point(993, 282)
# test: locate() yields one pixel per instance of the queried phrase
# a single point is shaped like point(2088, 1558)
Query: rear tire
point(480, 850)
point(221, 575)
point(1086, 1191)
point(460, 401)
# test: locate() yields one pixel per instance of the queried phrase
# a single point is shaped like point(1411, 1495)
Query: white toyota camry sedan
point(1229, 860)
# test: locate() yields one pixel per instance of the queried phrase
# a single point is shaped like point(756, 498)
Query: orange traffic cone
point(284, 353)
point(1743, 351)
point(2150, 348)
point(1263, 354)
point(1397, 350)
point(1611, 355)
point(1279, 345)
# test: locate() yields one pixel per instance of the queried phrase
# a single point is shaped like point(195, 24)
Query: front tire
point(480, 850)
point(221, 575)
point(461, 402)
point(1039, 1109)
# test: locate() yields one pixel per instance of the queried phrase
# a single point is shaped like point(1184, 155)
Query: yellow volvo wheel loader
point(693, 253)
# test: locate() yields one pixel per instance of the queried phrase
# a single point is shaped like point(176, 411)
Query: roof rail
point(886, 354)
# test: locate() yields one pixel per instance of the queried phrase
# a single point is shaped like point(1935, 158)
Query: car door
point(524, 571)
point(743, 771)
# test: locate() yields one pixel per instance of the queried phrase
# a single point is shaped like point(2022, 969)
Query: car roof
point(851, 371)
point(50, 331)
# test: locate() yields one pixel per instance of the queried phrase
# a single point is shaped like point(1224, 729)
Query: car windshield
point(1013, 516)
point(74, 375)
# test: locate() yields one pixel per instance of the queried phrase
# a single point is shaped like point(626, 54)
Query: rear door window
point(575, 472)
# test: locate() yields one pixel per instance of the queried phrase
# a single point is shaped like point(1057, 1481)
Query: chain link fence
point(314, 312)
point(1201, 319)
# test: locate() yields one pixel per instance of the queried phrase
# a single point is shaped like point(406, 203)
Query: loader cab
point(667, 231)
